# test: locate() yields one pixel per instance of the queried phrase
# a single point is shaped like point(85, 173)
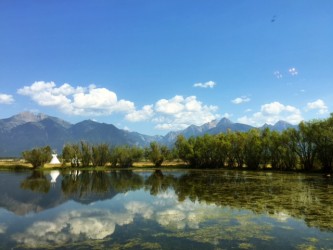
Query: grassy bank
point(16, 164)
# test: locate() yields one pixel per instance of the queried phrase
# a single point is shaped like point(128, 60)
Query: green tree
point(125, 156)
point(322, 132)
point(288, 149)
point(253, 149)
point(221, 147)
point(184, 149)
point(266, 143)
point(100, 154)
point(157, 153)
point(274, 150)
point(85, 154)
point(305, 145)
point(71, 153)
point(38, 156)
point(238, 148)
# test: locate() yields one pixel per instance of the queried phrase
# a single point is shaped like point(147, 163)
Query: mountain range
point(27, 130)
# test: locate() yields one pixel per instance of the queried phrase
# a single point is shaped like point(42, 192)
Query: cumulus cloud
point(76, 100)
point(6, 99)
point(293, 71)
point(73, 226)
point(141, 115)
point(179, 215)
point(240, 100)
point(278, 74)
point(209, 84)
point(180, 112)
point(171, 106)
point(273, 112)
point(139, 207)
point(168, 114)
point(317, 105)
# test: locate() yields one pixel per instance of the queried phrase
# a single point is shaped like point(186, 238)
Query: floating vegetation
point(246, 246)
point(170, 210)
point(221, 230)
point(306, 247)
point(136, 243)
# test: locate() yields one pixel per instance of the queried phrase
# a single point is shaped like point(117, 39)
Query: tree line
point(309, 147)
point(83, 154)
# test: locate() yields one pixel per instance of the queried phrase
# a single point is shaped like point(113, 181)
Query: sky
point(154, 66)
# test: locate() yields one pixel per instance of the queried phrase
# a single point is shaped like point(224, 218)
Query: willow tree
point(37, 157)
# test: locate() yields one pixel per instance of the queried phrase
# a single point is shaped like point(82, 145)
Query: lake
point(165, 210)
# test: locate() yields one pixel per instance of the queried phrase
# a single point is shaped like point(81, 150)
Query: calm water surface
point(165, 210)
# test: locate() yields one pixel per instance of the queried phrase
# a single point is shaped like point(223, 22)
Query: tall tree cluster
point(37, 157)
point(309, 147)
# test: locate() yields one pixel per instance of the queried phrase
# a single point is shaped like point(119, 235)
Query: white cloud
point(317, 105)
point(6, 99)
point(293, 71)
point(141, 115)
point(138, 207)
point(72, 227)
point(273, 112)
point(172, 217)
point(77, 101)
point(277, 74)
point(227, 115)
point(209, 84)
point(171, 106)
point(241, 99)
point(179, 112)
point(168, 114)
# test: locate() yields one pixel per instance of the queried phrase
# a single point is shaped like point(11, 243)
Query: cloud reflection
point(99, 223)
point(3, 229)
point(73, 226)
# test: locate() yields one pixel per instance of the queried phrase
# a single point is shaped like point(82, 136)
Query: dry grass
point(14, 163)
point(164, 164)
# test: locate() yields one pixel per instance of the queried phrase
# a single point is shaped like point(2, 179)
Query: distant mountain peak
point(278, 126)
point(28, 116)
point(280, 122)
point(224, 121)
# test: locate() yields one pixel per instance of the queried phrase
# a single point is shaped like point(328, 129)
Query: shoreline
point(14, 165)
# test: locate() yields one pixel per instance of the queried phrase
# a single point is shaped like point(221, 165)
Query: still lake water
point(165, 210)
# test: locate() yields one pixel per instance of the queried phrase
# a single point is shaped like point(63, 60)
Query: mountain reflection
point(278, 195)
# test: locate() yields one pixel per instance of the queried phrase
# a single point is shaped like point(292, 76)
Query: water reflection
point(283, 195)
point(36, 182)
point(207, 209)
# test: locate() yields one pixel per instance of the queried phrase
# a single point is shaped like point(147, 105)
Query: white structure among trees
point(55, 159)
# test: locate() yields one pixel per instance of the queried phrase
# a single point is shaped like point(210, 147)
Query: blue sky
point(153, 66)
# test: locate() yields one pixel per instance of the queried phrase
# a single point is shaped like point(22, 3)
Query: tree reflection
point(89, 183)
point(282, 195)
point(308, 198)
point(36, 182)
point(85, 183)
point(158, 182)
point(126, 180)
